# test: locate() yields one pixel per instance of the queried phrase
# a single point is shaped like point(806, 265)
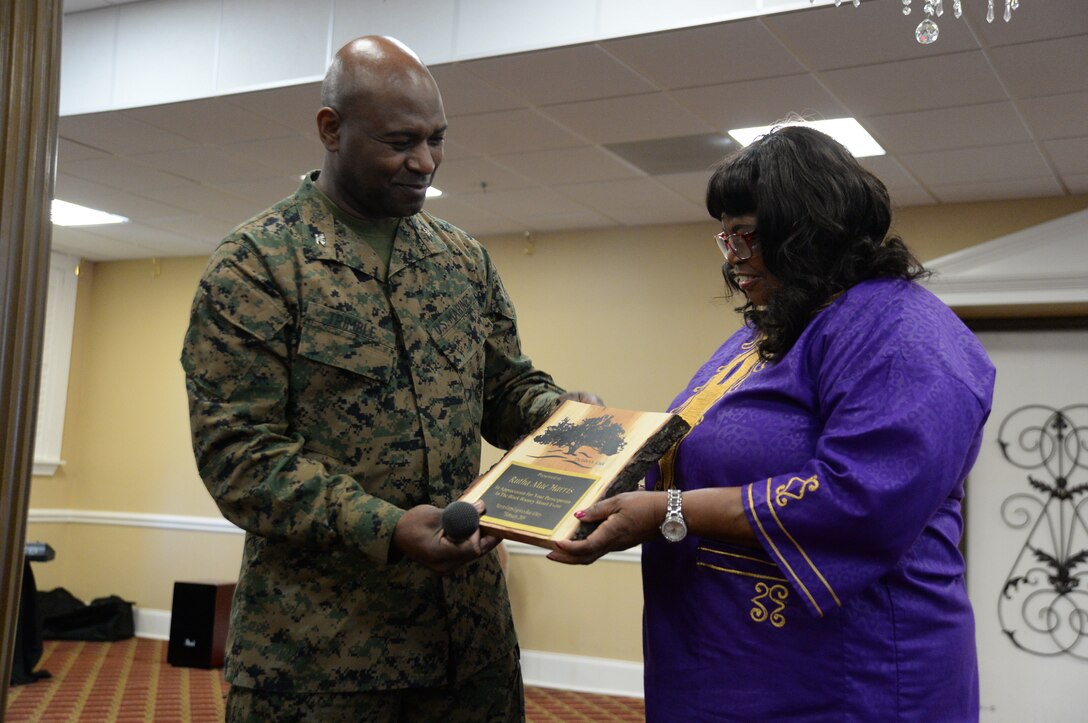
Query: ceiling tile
point(138, 208)
point(691, 186)
point(247, 29)
point(636, 202)
point(631, 118)
point(122, 173)
point(473, 175)
point(760, 102)
point(1048, 67)
point(563, 75)
point(211, 121)
point(939, 81)
point(586, 163)
point(451, 207)
point(293, 106)
point(85, 192)
point(293, 155)
point(1070, 155)
point(997, 190)
point(891, 173)
point(452, 150)
point(525, 203)
point(874, 32)
point(510, 131)
point(154, 241)
point(916, 196)
point(491, 226)
point(709, 55)
point(1033, 21)
point(196, 227)
point(977, 165)
point(464, 93)
point(934, 130)
point(942, 112)
point(680, 154)
point(1077, 183)
point(208, 202)
point(1056, 116)
point(261, 193)
point(118, 132)
point(567, 222)
point(79, 242)
point(206, 162)
point(68, 150)
point(493, 28)
point(163, 66)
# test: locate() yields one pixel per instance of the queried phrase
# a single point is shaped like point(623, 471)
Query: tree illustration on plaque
point(603, 434)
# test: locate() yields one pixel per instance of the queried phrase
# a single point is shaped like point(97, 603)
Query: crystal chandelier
point(927, 30)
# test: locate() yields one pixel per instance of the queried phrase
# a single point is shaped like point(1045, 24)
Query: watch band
point(674, 528)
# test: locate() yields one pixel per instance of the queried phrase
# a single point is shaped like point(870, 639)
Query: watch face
point(674, 530)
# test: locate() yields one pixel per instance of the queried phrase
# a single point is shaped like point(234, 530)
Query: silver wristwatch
point(674, 528)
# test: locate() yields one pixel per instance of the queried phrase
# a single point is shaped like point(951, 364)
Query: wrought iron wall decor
point(1043, 606)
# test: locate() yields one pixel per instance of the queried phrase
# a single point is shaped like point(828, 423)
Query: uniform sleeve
point(235, 358)
point(901, 430)
point(517, 396)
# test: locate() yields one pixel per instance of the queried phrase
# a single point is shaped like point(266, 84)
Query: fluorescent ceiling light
point(433, 192)
point(846, 131)
point(71, 214)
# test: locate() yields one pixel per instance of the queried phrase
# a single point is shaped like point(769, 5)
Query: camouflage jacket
point(324, 402)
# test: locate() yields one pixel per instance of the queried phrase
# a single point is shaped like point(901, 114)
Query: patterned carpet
point(130, 681)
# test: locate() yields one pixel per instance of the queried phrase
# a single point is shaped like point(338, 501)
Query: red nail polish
point(580, 514)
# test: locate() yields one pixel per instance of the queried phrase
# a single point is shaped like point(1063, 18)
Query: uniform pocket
point(342, 340)
point(460, 331)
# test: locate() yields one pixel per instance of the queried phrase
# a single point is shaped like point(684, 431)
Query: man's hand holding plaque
point(582, 453)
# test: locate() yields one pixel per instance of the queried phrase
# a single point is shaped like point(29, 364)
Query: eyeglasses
point(739, 243)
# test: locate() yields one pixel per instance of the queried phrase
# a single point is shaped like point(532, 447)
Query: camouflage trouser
point(494, 695)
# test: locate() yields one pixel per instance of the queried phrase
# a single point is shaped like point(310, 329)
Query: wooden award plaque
point(581, 454)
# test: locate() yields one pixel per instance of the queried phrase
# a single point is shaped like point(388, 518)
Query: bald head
point(383, 126)
point(371, 65)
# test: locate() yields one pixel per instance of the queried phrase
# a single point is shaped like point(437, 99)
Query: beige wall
point(628, 313)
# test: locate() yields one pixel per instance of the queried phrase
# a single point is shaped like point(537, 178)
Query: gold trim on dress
point(783, 494)
point(778, 594)
point(692, 410)
point(811, 564)
point(785, 563)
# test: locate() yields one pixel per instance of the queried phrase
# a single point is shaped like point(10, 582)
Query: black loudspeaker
point(199, 620)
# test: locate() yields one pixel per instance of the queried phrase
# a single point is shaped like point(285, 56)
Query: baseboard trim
point(222, 526)
point(151, 623)
point(602, 676)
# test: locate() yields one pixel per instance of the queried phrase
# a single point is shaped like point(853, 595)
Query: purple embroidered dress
point(851, 453)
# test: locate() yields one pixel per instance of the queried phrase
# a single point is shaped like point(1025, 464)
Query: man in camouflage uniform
point(345, 353)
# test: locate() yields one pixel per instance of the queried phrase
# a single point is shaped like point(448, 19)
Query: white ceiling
point(988, 112)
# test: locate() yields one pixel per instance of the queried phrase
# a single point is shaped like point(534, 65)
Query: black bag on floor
point(65, 617)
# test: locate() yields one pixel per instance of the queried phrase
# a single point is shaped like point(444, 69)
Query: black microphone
point(459, 521)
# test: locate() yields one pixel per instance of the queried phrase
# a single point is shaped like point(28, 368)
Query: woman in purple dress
point(800, 544)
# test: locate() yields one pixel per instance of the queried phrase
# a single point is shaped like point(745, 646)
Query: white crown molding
point(1044, 264)
point(220, 525)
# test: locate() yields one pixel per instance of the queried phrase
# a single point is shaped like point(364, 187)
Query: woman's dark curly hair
point(823, 226)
